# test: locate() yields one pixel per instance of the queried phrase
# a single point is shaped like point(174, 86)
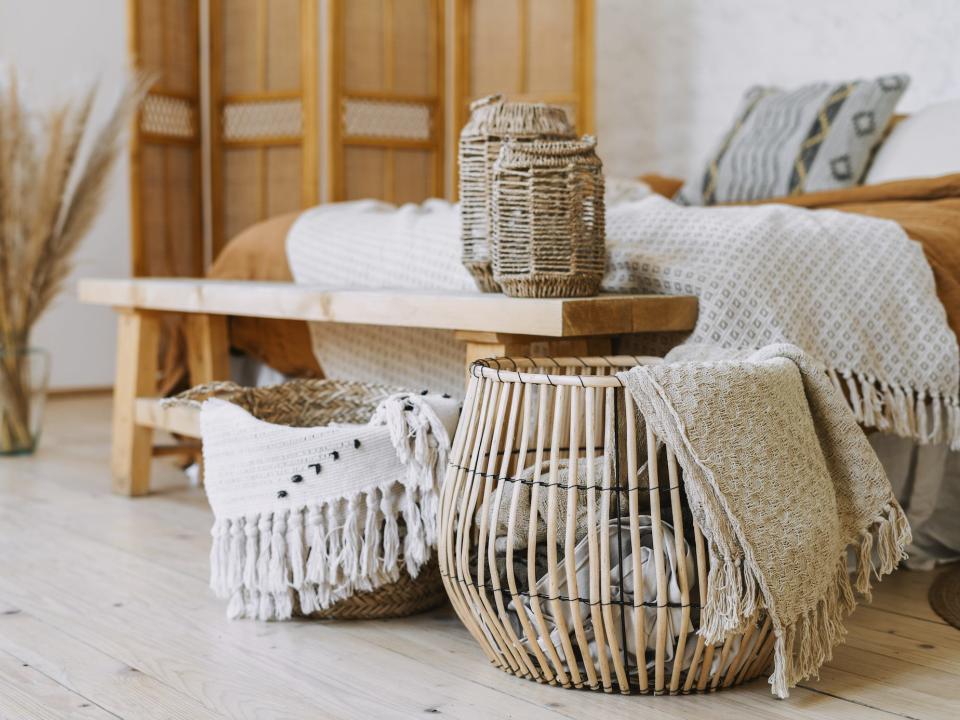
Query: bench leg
point(208, 354)
point(489, 345)
point(208, 349)
point(136, 376)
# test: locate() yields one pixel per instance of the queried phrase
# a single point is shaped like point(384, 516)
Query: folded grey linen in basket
point(623, 586)
point(514, 501)
point(782, 482)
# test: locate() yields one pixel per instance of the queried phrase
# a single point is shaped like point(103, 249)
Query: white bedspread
point(854, 292)
point(371, 244)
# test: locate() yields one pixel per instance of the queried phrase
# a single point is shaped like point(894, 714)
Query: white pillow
point(925, 144)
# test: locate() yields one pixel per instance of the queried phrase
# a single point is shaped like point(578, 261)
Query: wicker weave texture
point(311, 403)
point(406, 596)
point(262, 119)
point(491, 123)
point(566, 543)
point(386, 119)
point(168, 116)
point(547, 224)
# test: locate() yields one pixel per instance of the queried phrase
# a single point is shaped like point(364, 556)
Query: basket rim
point(510, 369)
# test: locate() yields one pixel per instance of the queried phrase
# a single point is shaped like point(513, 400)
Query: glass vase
point(24, 373)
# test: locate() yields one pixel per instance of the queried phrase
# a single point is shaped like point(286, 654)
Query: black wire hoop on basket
point(566, 543)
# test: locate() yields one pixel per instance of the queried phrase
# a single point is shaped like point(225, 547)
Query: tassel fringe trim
point(927, 417)
point(734, 597)
point(270, 564)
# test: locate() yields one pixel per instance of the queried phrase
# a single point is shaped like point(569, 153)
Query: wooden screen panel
point(263, 77)
point(534, 50)
point(165, 167)
point(386, 107)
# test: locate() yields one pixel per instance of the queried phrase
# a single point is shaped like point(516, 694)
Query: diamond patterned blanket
point(854, 292)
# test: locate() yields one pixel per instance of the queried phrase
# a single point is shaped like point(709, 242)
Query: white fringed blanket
point(782, 484)
point(854, 292)
point(305, 517)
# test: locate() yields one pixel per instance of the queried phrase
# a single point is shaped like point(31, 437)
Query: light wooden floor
point(105, 613)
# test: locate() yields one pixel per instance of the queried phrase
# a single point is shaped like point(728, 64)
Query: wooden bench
point(490, 325)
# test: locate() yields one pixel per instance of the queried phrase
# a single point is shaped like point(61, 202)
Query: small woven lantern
point(548, 219)
point(566, 542)
point(491, 122)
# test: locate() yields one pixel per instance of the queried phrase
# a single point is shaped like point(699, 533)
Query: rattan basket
point(570, 602)
point(491, 122)
point(547, 224)
point(311, 403)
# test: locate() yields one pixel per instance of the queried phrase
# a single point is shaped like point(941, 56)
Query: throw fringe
point(270, 564)
point(927, 417)
point(805, 644)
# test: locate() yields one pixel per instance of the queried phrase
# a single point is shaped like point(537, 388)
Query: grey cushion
point(817, 137)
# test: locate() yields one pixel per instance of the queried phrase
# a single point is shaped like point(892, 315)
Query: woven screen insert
point(386, 119)
point(262, 119)
point(168, 116)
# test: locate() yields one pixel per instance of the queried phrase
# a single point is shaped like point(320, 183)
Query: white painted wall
point(58, 48)
point(670, 72)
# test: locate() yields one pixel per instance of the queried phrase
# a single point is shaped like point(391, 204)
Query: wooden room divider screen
point(165, 161)
point(263, 130)
point(534, 50)
point(166, 173)
point(386, 60)
point(387, 104)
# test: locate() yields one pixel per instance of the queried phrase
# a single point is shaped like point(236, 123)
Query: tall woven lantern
point(491, 122)
point(548, 219)
point(566, 543)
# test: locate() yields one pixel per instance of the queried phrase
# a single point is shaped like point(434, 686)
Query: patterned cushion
point(817, 137)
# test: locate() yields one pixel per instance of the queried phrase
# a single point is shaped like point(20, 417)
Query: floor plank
point(905, 593)
point(25, 691)
point(105, 613)
point(122, 689)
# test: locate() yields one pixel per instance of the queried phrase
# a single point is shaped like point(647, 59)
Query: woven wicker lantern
point(568, 550)
point(548, 219)
point(491, 122)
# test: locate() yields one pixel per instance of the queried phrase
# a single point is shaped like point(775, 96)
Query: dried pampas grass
point(49, 199)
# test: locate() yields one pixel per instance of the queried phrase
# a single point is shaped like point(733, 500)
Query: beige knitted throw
point(782, 482)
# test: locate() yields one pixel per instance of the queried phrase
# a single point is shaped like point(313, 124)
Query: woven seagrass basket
point(566, 543)
point(311, 403)
point(491, 122)
point(547, 224)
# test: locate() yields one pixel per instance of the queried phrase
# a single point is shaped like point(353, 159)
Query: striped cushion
point(817, 137)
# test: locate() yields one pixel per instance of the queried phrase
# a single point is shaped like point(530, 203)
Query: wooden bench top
point(476, 312)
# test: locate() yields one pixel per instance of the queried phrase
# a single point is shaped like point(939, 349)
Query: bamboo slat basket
point(311, 403)
point(491, 122)
point(545, 440)
point(548, 226)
